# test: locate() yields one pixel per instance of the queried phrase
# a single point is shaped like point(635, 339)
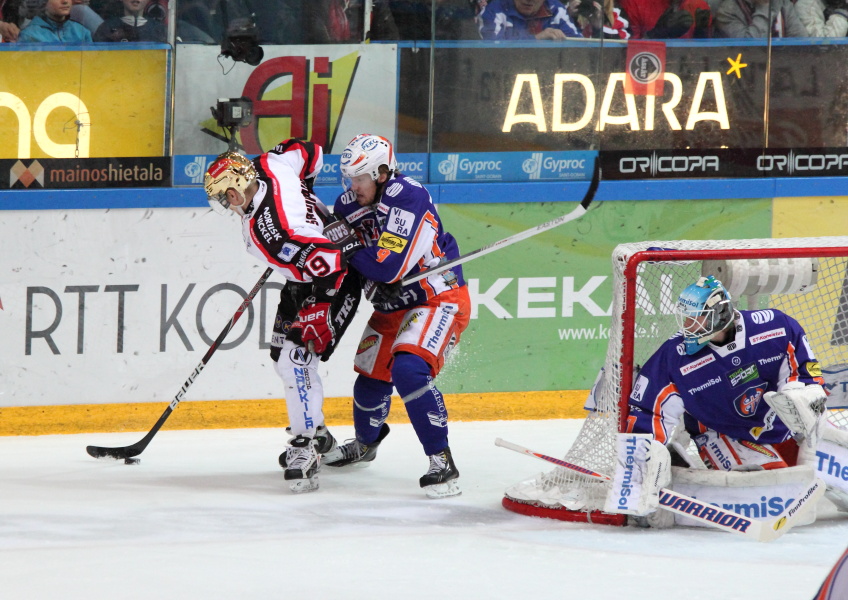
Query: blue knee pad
point(372, 400)
point(424, 403)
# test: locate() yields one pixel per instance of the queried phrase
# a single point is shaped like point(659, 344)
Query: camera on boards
point(241, 42)
point(232, 114)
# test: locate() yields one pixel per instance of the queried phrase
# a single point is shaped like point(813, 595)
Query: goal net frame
point(805, 277)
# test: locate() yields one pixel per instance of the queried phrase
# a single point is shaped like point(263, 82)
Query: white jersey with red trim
point(721, 387)
point(284, 223)
point(402, 234)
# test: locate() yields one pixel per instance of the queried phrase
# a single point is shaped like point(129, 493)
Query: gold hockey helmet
point(229, 170)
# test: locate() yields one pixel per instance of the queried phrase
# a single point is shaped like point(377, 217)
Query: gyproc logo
point(448, 167)
point(196, 169)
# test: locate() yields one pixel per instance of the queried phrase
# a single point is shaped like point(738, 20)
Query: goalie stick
point(127, 452)
point(761, 530)
point(574, 214)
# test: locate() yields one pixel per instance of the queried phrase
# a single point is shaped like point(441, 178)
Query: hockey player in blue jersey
point(413, 327)
point(747, 388)
point(714, 375)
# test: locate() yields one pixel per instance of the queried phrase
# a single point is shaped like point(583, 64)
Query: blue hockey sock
point(424, 403)
point(372, 399)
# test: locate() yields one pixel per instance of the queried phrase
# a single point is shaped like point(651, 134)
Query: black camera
point(231, 113)
point(157, 10)
point(241, 42)
point(585, 9)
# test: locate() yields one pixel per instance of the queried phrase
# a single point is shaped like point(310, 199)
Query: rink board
point(118, 306)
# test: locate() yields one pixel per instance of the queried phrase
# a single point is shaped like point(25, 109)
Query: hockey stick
point(127, 452)
point(761, 530)
point(574, 214)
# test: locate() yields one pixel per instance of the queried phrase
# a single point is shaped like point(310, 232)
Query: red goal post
point(805, 277)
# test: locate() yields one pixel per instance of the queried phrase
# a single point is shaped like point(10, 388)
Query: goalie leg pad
point(642, 469)
point(830, 460)
point(754, 494)
point(723, 453)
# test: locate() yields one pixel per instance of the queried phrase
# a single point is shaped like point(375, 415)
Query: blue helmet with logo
point(703, 310)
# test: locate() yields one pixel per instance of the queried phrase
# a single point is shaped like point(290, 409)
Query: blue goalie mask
point(703, 310)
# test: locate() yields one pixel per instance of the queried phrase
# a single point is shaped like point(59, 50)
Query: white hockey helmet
point(703, 310)
point(365, 154)
point(229, 170)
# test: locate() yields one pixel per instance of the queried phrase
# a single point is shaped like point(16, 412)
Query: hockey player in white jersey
point(746, 387)
point(283, 226)
point(414, 327)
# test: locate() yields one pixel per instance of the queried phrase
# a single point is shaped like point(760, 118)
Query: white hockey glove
point(643, 468)
point(802, 409)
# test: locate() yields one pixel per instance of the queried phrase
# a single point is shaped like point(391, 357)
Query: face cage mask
point(221, 205)
point(701, 322)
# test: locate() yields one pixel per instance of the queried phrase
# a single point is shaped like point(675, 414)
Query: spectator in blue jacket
point(53, 25)
point(525, 20)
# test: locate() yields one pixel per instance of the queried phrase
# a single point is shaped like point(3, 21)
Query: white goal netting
point(805, 277)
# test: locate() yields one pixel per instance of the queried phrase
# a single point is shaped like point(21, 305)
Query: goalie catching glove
point(802, 408)
point(314, 326)
point(643, 468)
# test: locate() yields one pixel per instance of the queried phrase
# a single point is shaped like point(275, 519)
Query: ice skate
point(324, 441)
point(303, 462)
point(442, 480)
point(354, 451)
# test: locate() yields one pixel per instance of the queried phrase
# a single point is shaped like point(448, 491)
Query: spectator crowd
point(346, 21)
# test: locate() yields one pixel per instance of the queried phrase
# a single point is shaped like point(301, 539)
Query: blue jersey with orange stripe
point(721, 387)
point(402, 234)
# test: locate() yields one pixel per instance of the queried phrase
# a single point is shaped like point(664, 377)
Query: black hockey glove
point(387, 292)
point(702, 23)
point(342, 234)
point(671, 24)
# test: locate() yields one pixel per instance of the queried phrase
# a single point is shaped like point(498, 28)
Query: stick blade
point(116, 453)
point(593, 185)
point(795, 512)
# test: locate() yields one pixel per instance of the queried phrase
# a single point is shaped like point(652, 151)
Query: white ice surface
point(207, 515)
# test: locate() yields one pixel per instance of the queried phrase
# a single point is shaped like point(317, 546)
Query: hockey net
point(805, 277)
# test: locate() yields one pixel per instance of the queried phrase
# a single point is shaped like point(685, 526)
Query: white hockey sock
point(298, 368)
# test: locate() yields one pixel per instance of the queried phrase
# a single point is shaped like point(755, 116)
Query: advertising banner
point(124, 311)
point(67, 173)
point(511, 166)
point(326, 94)
point(541, 308)
point(81, 104)
point(189, 170)
point(506, 98)
point(106, 306)
point(724, 163)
